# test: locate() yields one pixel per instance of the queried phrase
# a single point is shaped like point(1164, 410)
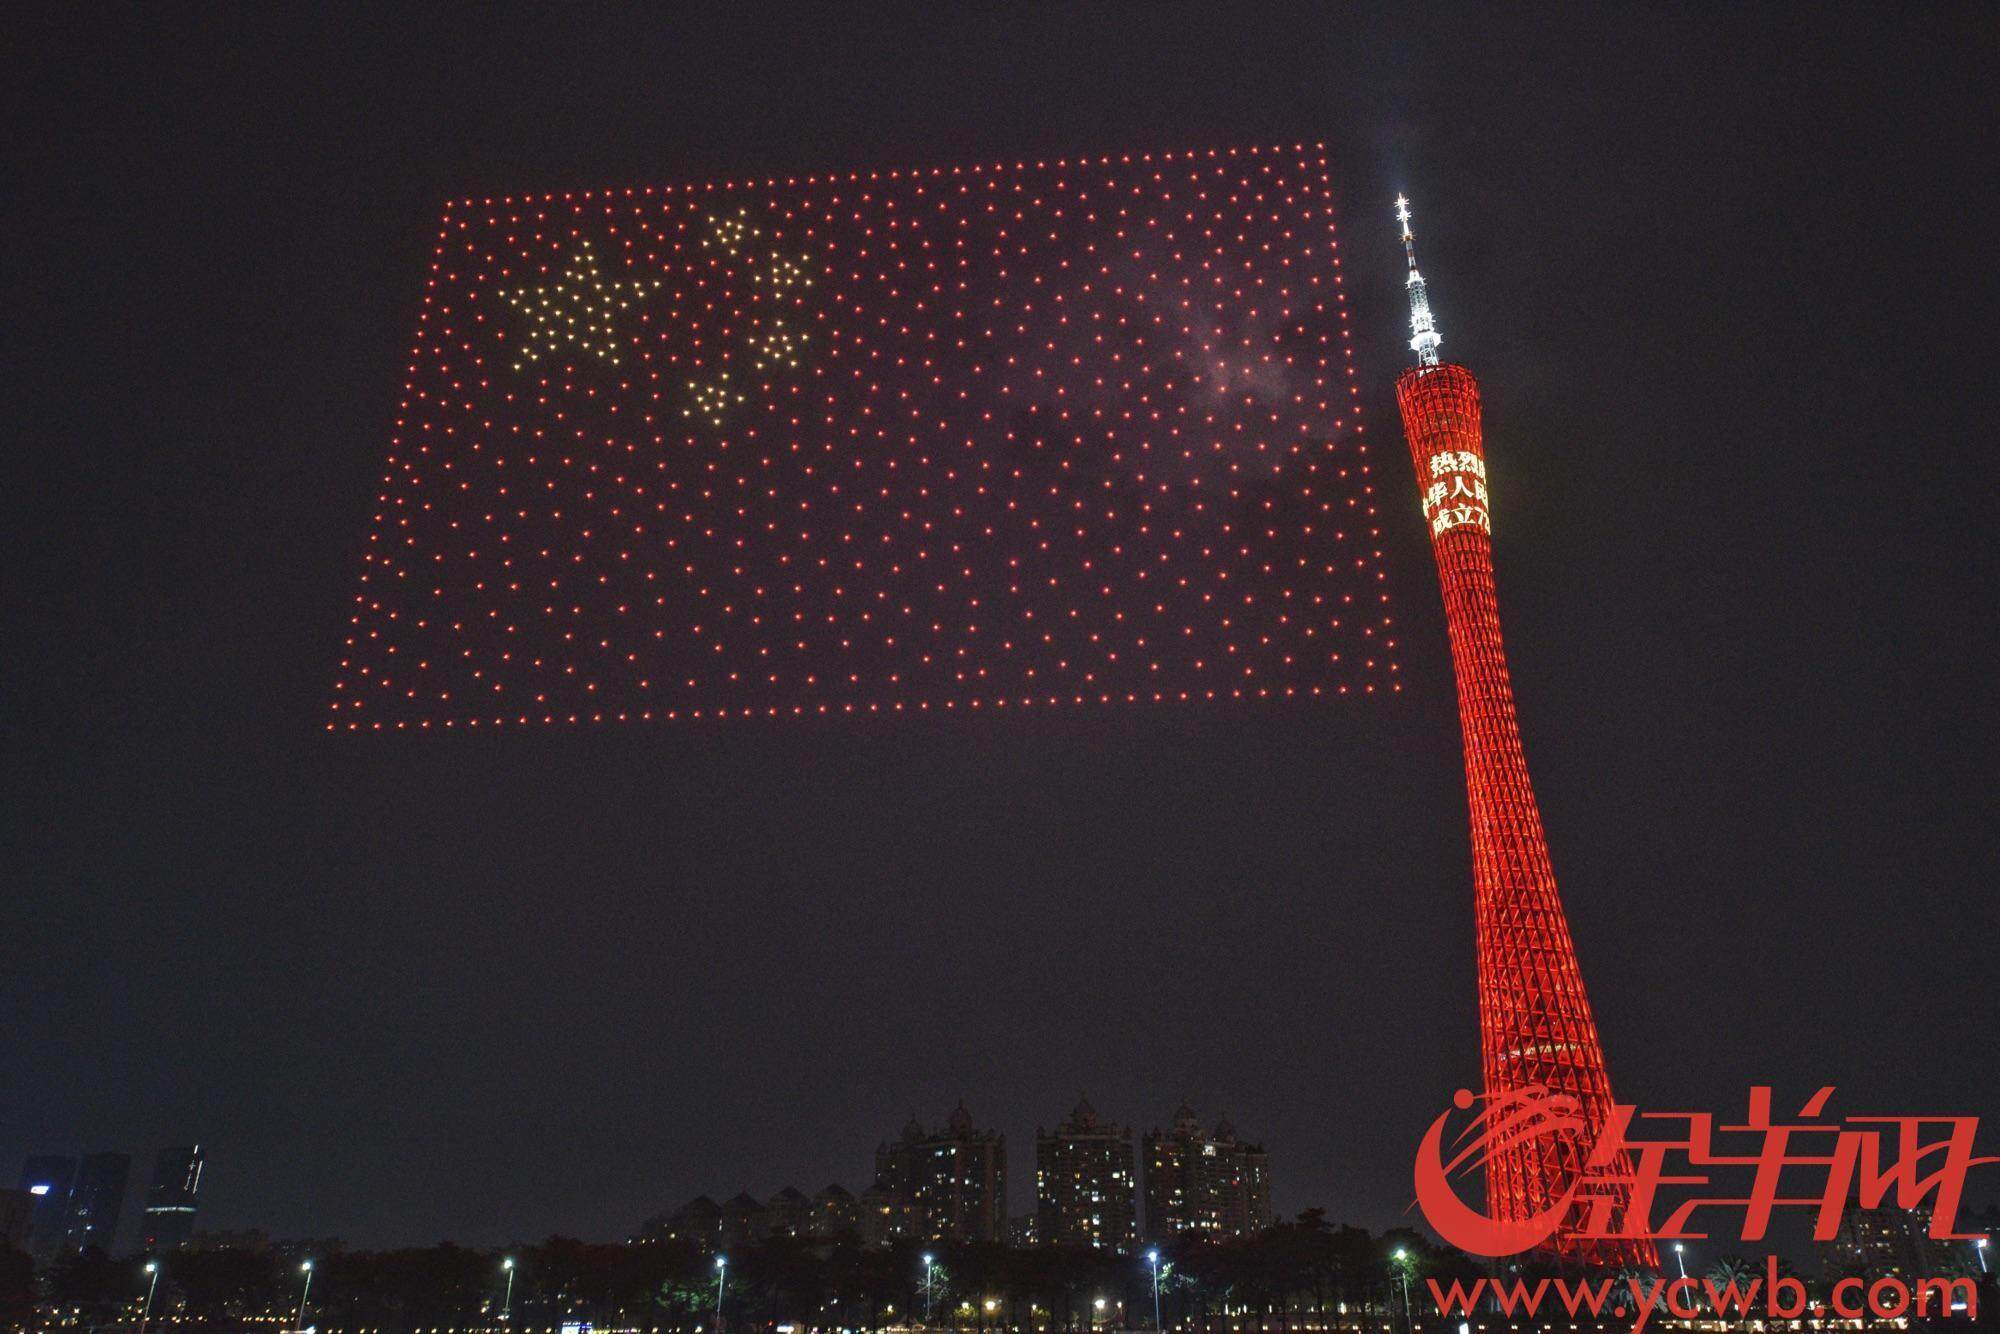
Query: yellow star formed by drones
point(770, 345)
point(579, 310)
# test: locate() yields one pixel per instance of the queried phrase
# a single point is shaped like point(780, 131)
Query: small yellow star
point(781, 276)
point(729, 234)
point(580, 310)
point(775, 345)
point(713, 399)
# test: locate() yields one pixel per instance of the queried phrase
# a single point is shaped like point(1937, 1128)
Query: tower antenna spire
point(1424, 337)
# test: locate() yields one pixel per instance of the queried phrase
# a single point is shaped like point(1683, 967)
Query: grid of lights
point(983, 437)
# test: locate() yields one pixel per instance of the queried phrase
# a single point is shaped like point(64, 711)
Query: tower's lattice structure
point(1535, 1025)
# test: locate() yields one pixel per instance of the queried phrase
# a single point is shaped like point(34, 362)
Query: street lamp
point(153, 1268)
point(1680, 1259)
point(1980, 1246)
point(1153, 1259)
point(1097, 1318)
point(507, 1304)
point(930, 1284)
point(304, 1293)
point(1403, 1271)
point(721, 1273)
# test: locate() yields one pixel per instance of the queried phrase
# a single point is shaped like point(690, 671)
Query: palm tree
point(1733, 1271)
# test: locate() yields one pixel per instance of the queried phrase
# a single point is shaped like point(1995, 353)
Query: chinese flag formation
point(987, 437)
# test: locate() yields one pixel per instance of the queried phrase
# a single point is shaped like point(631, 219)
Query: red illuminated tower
point(1535, 1026)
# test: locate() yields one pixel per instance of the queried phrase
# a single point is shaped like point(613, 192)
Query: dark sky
point(1715, 269)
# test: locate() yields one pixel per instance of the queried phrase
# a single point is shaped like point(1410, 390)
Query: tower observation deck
point(1535, 1024)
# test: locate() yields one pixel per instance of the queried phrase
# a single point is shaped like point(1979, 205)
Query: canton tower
point(1535, 1026)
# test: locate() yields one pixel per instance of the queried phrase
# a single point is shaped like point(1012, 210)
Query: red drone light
point(1081, 431)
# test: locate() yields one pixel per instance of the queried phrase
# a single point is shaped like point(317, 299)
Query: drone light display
point(1078, 431)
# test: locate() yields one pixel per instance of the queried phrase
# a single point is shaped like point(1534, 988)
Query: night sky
point(1715, 270)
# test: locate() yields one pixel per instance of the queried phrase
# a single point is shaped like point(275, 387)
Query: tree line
point(1286, 1274)
point(1303, 1273)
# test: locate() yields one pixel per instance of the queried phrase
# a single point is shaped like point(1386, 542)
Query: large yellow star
point(579, 310)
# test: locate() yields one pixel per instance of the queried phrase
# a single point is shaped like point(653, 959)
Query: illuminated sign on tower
point(1535, 1025)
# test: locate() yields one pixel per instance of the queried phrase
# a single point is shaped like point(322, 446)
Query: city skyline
point(949, 1183)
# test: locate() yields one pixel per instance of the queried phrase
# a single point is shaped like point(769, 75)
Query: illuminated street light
point(721, 1273)
point(1403, 1270)
point(1153, 1259)
point(153, 1268)
point(930, 1284)
point(1979, 1246)
point(507, 1303)
point(1681, 1259)
point(305, 1268)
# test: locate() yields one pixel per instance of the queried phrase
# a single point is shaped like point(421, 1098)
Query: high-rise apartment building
point(48, 1178)
point(173, 1197)
point(96, 1201)
point(947, 1185)
point(891, 1201)
point(1206, 1185)
point(1885, 1242)
point(1086, 1189)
